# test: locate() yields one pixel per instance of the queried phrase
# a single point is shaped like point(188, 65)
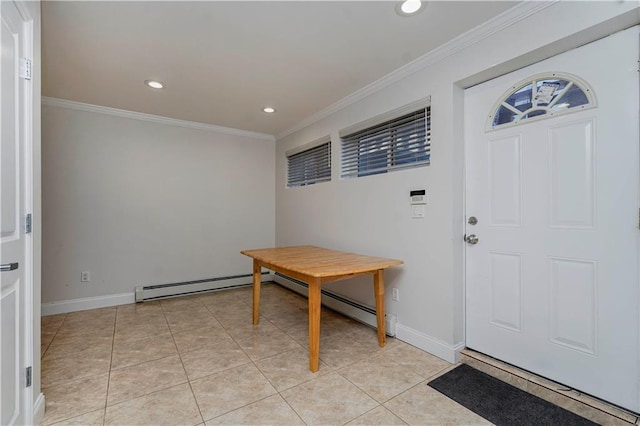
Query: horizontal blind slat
point(309, 166)
point(394, 124)
point(400, 143)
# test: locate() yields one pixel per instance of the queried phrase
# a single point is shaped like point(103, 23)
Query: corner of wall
point(446, 351)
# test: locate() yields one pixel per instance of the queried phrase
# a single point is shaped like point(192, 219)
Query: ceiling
point(223, 61)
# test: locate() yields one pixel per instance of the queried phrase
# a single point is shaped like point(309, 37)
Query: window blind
point(399, 143)
point(309, 166)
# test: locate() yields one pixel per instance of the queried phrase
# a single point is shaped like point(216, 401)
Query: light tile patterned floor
point(198, 360)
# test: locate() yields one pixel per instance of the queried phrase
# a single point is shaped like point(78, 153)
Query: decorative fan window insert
point(542, 97)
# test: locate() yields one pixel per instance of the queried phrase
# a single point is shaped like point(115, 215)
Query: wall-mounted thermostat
point(418, 196)
point(418, 201)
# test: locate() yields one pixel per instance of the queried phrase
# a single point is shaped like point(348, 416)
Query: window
point(309, 166)
point(542, 96)
point(393, 144)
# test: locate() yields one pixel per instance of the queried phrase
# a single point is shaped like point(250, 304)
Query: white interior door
point(552, 282)
point(13, 278)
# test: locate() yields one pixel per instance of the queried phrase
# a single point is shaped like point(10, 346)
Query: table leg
point(257, 278)
point(378, 289)
point(314, 323)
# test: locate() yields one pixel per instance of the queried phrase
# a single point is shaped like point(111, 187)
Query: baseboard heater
point(162, 291)
point(344, 305)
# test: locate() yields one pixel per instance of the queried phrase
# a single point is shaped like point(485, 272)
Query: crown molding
point(79, 106)
point(496, 24)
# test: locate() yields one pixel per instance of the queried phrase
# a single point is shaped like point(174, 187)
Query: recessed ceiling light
point(409, 7)
point(269, 110)
point(154, 84)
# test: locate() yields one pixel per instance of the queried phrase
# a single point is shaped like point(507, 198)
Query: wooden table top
point(320, 262)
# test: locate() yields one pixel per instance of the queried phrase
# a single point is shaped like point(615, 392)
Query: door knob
point(471, 239)
point(8, 267)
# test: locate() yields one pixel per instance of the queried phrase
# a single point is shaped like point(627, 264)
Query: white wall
point(140, 203)
point(371, 215)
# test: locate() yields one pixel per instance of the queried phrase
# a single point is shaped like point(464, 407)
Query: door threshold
point(584, 405)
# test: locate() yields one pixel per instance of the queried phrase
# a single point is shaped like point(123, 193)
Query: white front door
point(14, 284)
point(552, 284)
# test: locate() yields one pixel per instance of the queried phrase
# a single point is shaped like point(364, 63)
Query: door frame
point(27, 176)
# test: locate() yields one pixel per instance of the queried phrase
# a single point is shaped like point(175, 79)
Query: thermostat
point(418, 196)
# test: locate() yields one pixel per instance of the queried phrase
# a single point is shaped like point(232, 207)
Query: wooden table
point(315, 266)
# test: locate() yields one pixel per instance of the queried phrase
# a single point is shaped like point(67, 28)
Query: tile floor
point(584, 405)
point(198, 360)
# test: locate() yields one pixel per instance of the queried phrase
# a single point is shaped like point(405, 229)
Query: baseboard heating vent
point(162, 291)
point(351, 308)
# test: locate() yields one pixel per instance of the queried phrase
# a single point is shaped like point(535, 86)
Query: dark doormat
point(499, 402)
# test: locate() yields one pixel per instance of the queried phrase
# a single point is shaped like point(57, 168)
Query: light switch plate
point(417, 211)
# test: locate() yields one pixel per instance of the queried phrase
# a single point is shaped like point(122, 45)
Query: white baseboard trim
point(82, 304)
point(450, 353)
point(38, 410)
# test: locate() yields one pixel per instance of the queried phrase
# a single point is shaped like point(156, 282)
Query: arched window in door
point(539, 97)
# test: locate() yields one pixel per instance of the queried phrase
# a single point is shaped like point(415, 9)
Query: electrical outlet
point(85, 277)
point(395, 294)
